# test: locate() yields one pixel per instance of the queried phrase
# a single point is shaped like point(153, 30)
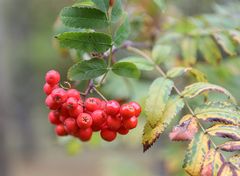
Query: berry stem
point(162, 73)
point(99, 93)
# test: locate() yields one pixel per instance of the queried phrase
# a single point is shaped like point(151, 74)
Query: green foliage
point(117, 10)
point(98, 31)
point(152, 132)
point(86, 41)
point(141, 63)
point(88, 69)
point(158, 96)
point(83, 17)
point(126, 69)
point(122, 32)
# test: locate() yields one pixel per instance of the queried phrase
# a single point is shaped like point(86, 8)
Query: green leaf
point(209, 50)
point(116, 10)
point(225, 42)
point(81, 3)
point(180, 71)
point(157, 99)
point(225, 131)
point(189, 50)
point(177, 71)
point(224, 112)
point(88, 69)
point(196, 89)
point(161, 4)
point(86, 41)
point(122, 32)
point(197, 150)
point(161, 53)
point(151, 134)
point(83, 17)
point(126, 69)
point(141, 63)
point(230, 146)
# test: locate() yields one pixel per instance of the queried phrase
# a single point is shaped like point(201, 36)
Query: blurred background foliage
point(202, 34)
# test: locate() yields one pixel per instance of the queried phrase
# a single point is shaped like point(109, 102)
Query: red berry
point(51, 103)
point(112, 107)
point(72, 103)
point(52, 77)
point(137, 108)
point(71, 125)
point(60, 130)
point(103, 105)
point(47, 88)
point(59, 95)
point(76, 112)
point(127, 111)
point(74, 93)
point(62, 118)
point(130, 123)
point(64, 110)
point(92, 104)
point(123, 131)
point(53, 118)
point(99, 117)
point(113, 123)
point(108, 135)
point(96, 128)
point(84, 120)
point(85, 134)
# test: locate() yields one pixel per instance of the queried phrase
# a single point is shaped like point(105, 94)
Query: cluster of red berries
point(80, 119)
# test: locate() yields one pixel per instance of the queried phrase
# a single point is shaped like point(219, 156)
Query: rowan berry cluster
point(73, 116)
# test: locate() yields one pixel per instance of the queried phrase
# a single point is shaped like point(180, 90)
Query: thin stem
point(158, 68)
point(102, 80)
point(99, 93)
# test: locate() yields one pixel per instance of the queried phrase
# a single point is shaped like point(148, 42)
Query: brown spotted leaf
point(230, 146)
point(197, 150)
point(185, 130)
point(223, 112)
point(196, 89)
point(225, 131)
point(213, 161)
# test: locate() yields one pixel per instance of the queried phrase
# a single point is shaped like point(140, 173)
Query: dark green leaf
point(88, 69)
point(126, 69)
point(104, 6)
point(87, 41)
point(84, 17)
point(141, 63)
